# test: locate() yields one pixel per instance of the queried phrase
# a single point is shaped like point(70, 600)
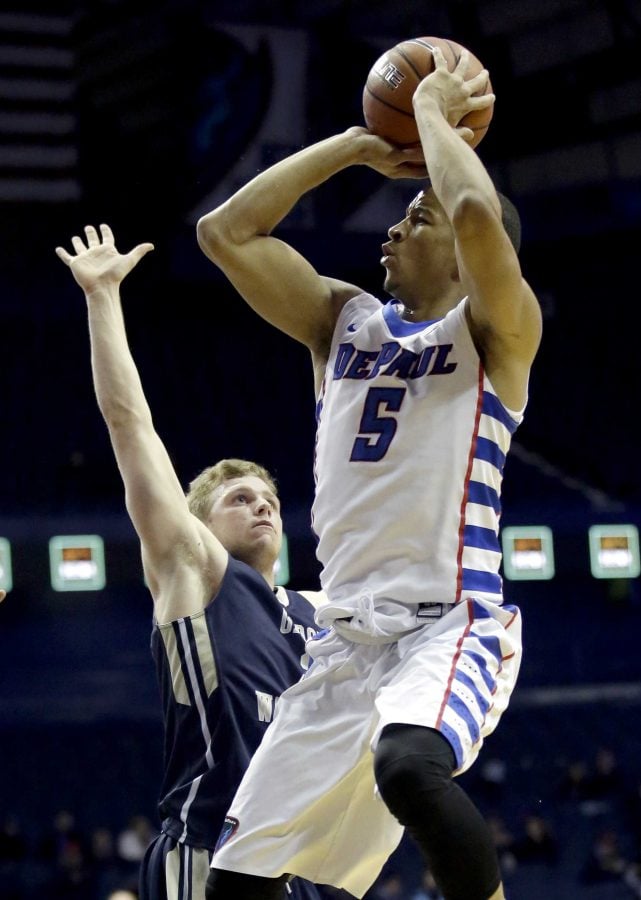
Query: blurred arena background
point(145, 115)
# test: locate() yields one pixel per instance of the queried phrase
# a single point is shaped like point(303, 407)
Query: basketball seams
point(450, 45)
point(387, 104)
point(410, 62)
point(452, 48)
point(421, 42)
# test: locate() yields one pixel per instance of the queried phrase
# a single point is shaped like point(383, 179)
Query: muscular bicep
point(278, 283)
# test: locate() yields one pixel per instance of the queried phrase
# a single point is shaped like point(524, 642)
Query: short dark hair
point(511, 220)
point(509, 216)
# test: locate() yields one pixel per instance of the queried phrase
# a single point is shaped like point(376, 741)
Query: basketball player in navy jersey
point(417, 401)
point(226, 643)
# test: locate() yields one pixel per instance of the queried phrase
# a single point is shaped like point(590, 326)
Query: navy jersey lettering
point(393, 360)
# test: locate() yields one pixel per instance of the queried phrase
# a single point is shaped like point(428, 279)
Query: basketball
point(392, 80)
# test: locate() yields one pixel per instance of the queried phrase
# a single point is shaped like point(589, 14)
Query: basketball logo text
point(392, 76)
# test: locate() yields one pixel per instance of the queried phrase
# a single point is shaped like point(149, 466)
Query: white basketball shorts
point(308, 804)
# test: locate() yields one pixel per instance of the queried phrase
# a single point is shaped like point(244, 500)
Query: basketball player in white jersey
point(225, 641)
point(417, 402)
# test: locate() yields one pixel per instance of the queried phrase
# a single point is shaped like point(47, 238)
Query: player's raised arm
point(275, 279)
point(504, 313)
point(175, 543)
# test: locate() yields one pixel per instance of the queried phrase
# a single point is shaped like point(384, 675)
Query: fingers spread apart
point(92, 239)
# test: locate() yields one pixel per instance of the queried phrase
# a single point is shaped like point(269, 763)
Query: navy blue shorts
point(174, 871)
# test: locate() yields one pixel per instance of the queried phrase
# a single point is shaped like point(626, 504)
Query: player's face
point(420, 253)
point(245, 517)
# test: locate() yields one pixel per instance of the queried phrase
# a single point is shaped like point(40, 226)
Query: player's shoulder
point(341, 292)
point(352, 298)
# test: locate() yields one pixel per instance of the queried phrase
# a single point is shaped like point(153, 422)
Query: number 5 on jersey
point(376, 431)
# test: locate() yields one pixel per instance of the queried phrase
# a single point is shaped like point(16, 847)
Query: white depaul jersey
point(410, 451)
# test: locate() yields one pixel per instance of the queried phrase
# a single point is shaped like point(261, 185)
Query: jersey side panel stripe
point(184, 812)
point(171, 644)
point(484, 494)
point(468, 476)
point(195, 683)
point(479, 582)
point(493, 407)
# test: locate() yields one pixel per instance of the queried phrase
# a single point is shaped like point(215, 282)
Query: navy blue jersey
point(220, 673)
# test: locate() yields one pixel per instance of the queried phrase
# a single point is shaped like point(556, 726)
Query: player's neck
point(267, 571)
point(427, 310)
point(261, 562)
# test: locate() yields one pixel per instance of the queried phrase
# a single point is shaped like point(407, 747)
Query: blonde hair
point(202, 487)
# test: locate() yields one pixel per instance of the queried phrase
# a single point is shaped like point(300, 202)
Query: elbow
point(121, 418)
point(474, 212)
point(212, 235)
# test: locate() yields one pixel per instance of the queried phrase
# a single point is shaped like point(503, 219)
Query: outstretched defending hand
point(2, 595)
point(99, 264)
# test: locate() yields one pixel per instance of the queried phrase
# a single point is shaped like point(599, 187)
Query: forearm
point(116, 381)
point(455, 169)
point(258, 207)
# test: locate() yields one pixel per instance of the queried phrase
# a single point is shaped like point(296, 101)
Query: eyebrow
point(268, 494)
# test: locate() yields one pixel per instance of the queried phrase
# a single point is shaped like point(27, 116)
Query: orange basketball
point(392, 80)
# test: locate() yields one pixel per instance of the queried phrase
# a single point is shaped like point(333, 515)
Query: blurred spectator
point(572, 786)
point(102, 846)
point(428, 889)
point(605, 861)
point(603, 789)
point(632, 879)
point(73, 878)
point(131, 844)
point(108, 871)
point(133, 840)
point(389, 886)
point(63, 840)
point(13, 844)
point(597, 790)
point(13, 851)
point(64, 853)
point(537, 844)
point(492, 778)
point(606, 779)
point(504, 842)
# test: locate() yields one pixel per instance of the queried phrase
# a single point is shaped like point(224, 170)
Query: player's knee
point(413, 766)
point(223, 885)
